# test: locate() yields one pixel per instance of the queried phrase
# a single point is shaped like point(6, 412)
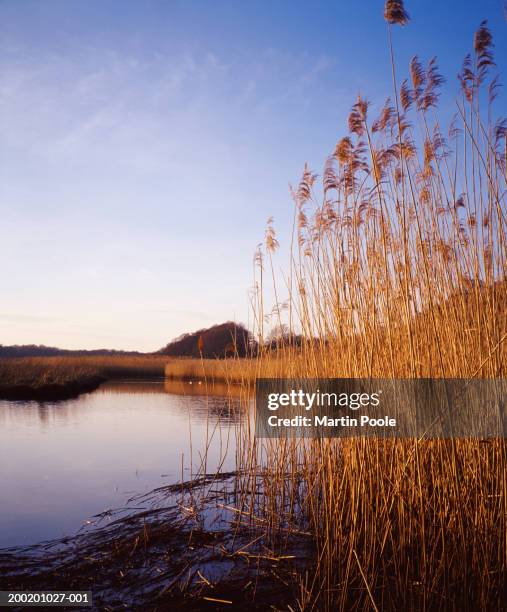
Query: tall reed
point(397, 270)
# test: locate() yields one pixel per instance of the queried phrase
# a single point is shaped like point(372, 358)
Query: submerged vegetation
point(180, 547)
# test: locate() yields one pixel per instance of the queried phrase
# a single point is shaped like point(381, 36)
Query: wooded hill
point(222, 340)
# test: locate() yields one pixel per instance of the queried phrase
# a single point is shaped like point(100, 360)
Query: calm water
point(62, 462)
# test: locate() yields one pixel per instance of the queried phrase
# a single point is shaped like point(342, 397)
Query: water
point(63, 462)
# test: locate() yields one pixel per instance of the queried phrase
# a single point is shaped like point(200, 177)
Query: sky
point(143, 145)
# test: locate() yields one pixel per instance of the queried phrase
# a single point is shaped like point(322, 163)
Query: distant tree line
point(40, 350)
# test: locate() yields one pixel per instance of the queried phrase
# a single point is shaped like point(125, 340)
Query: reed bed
point(40, 370)
point(36, 371)
point(53, 378)
point(397, 269)
point(231, 370)
point(212, 369)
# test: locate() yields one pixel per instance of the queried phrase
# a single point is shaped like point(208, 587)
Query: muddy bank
point(51, 391)
point(181, 547)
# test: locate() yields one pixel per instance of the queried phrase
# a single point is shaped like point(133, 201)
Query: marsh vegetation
point(396, 270)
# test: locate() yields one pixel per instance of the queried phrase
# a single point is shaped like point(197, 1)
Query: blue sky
point(143, 145)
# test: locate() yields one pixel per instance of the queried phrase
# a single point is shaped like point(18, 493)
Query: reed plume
point(395, 13)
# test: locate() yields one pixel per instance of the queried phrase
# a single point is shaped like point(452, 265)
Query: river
point(63, 462)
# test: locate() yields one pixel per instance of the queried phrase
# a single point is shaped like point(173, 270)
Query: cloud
point(56, 106)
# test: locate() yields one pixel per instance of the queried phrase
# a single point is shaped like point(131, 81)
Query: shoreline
point(51, 391)
point(53, 379)
point(210, 555)
point(61, 378)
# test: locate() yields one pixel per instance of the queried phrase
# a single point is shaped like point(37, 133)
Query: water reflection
point(175, 387)
point(62, 462)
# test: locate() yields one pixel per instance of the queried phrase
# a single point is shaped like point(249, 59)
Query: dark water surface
point(62, 462)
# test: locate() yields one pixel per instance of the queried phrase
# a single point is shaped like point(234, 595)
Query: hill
point(218, 341)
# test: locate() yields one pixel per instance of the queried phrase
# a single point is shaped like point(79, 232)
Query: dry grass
point(230, 370)
point(397, 269)
point(38, 371)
